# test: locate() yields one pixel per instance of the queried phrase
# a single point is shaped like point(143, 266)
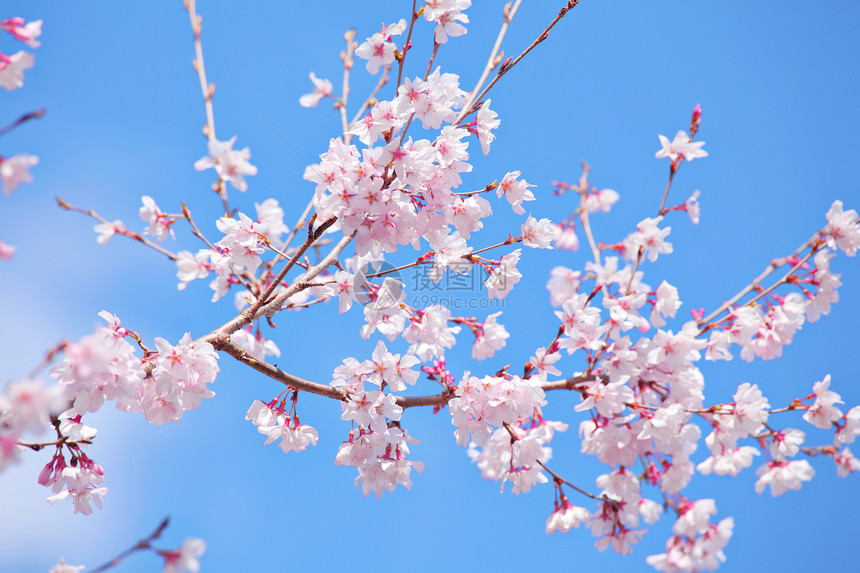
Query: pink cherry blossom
point(271, 215)
point(379, 50)
point(63, 567)
point(322, 88)
point(681, 146)
point(485, 122)
point(107, 230)
point(691, 206)
point(192, 266)
point(566, 517)
point(503, 278)
point(538, 234)
point(651, 239)
point(7, 251)
point(242, 240)
point(562, 285)
point(185, 558)
point(751, 408)
point(846, 463)
point(515, 191)
point(28, 405)
point(667, 304)
point(489, 338)
point(81, 487)
point(23, 31)
point(842, 230)
point(783, 476)
point(229, 164)
point(823, 411)
point(15, 170)
point(566, 238)
point(786, 443)
point(448, 17)
point(12, 69)
point(600, 200)
point(159, 226)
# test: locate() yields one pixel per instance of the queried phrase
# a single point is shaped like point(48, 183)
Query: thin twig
point(504, 70)
point(402, 60)
point(206, 88)
point(492, 61)
point(348, 62)
point(24, 118)
point(126, 233)
point(312, 237)
point(775, 264)
point(371, 99)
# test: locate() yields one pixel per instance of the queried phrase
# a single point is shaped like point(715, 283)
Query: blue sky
point(778, 86)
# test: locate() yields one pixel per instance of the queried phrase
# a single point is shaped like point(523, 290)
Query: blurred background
point(778, 85)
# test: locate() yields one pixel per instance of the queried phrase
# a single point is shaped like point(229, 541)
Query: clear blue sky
point(778, 83)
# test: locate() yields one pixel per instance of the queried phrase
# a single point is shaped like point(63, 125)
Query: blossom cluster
point(98, 368)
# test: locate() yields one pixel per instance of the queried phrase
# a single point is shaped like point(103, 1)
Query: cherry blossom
point(515, 191)
point(81, 487)
point(562, 285)
point(159, 226)
point(682, 146)
point(107, 230)
point(489, 338)
point(23, 31)
point(186, 557)
point(63, 567)
point(379, 50)
point(843, 230)
point(823, 412)
point(566, 517)
point(692, 208)
point(29, 405)
point(783, 476)
point(448, 17)
point(322, 88)
point(192, 266)
point(666, 305)
point(6, 251)
point(485, 122)
point(651, 239)
point(15, 170)
point(505, 276)
point(12, 69)
point(271, 215)
point(600, 200)
point(229, 164)
point(846, 463)
point(786, 443)
point(566, 238)
point(538, 234)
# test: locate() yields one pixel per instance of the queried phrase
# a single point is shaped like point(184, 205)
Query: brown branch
point(246, 317)
point(313, 236)
point(24, 118)
point(276, 373)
